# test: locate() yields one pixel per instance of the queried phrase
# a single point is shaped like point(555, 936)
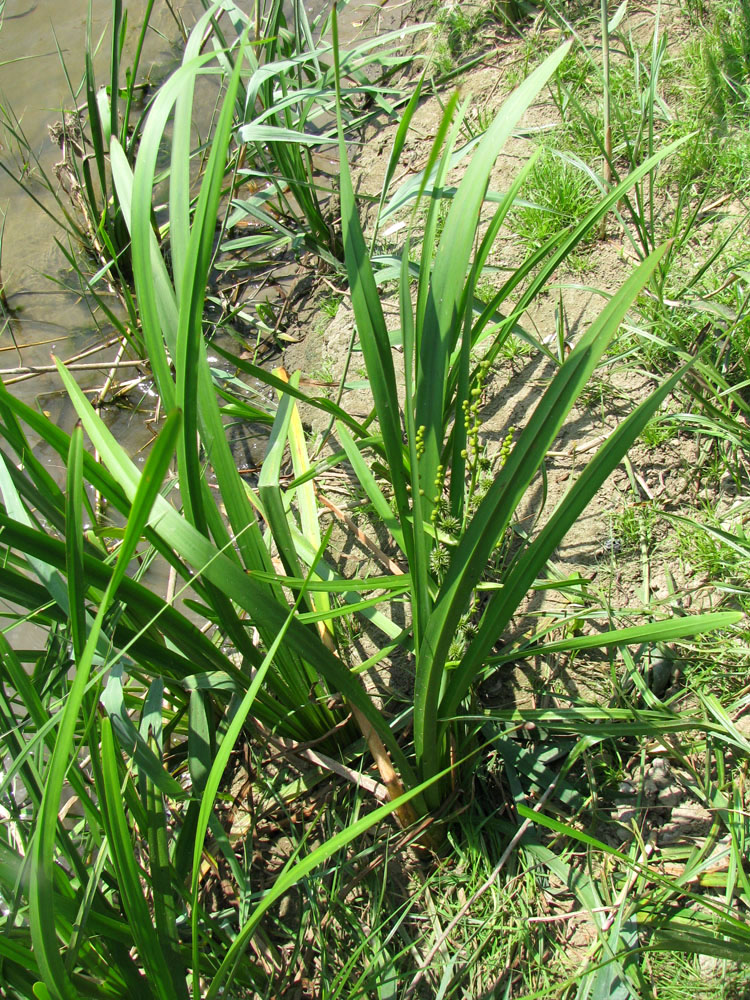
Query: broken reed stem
point(35, 370)
point(393, 786)
point(110, 376)
point(92, 366)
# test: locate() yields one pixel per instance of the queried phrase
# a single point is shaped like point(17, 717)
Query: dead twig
point(362, 537)
point(90, 367)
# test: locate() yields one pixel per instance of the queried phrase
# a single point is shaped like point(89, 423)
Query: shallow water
point(50, 319)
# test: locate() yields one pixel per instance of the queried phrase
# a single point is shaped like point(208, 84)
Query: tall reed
point(133, 708)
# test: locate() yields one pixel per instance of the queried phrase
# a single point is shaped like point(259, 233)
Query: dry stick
point(240, 826)
point(362, 538)
point(480, 892)
point(37, 343)
point(356, 777)
point(171, 585)
point(110, 376)
point(93, 350)
point(645, 566)
point(34, 370)
point(91, 366)
point(635, 482)
point(616, 907)
point(619, 903)
point(64, 171)
point(707, 209)
point(578, 449)
point(123, 388)
point(432, 916)
point(554, 918)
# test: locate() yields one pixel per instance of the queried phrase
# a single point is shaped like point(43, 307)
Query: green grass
point(634, 526)
point(563, 194)
point(168, 877)
point(461, 30)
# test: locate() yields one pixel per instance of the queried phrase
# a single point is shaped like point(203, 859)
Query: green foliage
point(462, 29)
point(562, 193)
point(439, 337)
point(137, 713)
point(725, 65)
point(634, 527)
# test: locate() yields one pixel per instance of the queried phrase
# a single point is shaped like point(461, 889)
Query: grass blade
point(158, 982)
point(74, 542)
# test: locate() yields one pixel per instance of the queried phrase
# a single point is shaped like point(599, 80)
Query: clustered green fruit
point(471, 408)
point(439, 560)
point(439, 484)
point(506, 446)
point(465, 630)
point(419, 441)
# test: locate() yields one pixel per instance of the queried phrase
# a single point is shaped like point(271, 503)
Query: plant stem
point(607, 118)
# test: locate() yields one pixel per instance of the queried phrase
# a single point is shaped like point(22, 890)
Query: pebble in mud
point(660, 795)
point(670, 796)
point(659, 772)
point(657, 778)
point(660, 675)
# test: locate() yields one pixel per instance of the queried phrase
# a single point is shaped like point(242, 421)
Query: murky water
point(42, 57)
point(42, 46)
point(42, 54)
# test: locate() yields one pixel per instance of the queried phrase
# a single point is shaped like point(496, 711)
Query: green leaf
point(493, 517)
point(120, 838)
point(224, 573)
point(74, 541)
point(444, 309)
point(41, 893)
point(664, 630)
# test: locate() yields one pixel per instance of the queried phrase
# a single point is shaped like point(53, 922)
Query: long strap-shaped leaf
point(41, 893)
point(443, 315)
point(196, 549)
point(494, 513)
point(412, 328)
point(179, 169)
point(540, 266)
point(530, 562)
point(664, 630)
point(371, 325)
point(197, 650)
point(159, 982)
point(74, 542)
point(524, 570)
point(182, 332)
point(190, 359)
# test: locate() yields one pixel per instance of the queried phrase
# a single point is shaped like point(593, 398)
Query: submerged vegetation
point(287, 778)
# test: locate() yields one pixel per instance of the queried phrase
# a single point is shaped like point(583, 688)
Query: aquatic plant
point(137, 711)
